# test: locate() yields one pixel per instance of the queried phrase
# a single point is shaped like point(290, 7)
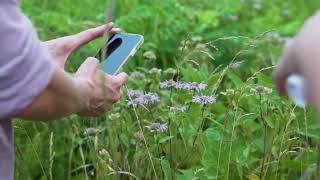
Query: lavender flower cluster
point(204, 99)
point(140, 98)
point(134, 93)
point(183, 85)
point(157, 127)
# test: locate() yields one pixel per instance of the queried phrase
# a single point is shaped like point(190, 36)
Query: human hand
point(301, 56)
point(61, 48)
point(100, 90)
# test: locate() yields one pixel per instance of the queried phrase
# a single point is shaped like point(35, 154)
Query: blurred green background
point(166, 24)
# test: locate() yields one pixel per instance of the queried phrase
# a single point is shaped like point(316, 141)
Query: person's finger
point(114, 31)
point(88, 35)
point(110, 26)
point(88, 67)
point(121, 78)
point(100, 109)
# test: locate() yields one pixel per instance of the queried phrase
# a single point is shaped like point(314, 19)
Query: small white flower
point(155, 71)
point(150, 55)
point(137, 75)
point(179, 108)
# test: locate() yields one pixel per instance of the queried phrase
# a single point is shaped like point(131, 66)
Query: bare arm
point(63, 96)
point(88, 93)
point(68, 94)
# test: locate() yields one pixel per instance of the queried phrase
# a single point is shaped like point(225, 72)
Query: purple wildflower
point(261, 89)
point(179, 108)
point(197, 99)
point(184, 86)
point(157, 127)
point(201, 86)
point(180, 85)
point(167, 84)
point(153, 98)
point(144, 99)
point(134, 93)
point(139, 136)
point(204, 99)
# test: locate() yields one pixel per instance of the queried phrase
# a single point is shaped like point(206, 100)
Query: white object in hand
point(297, 90)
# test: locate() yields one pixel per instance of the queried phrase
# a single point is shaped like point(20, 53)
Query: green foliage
point(249, 132)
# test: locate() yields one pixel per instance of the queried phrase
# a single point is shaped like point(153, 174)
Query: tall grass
point(249, 132)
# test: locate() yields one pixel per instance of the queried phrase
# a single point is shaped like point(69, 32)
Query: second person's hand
point(301, 56)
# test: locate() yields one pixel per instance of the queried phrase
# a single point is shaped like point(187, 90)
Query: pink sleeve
point(25, 65)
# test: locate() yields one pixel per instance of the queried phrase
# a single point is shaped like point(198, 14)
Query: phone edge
point(138, 45)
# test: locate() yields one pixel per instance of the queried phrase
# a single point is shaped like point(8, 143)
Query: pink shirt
point(25, 71)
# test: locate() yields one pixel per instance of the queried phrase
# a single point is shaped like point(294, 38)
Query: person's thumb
point(88, 67)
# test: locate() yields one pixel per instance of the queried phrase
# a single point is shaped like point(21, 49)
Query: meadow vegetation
point(200, 102)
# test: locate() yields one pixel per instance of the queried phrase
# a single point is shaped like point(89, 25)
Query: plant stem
point(201, 126)
point(281, 143)
point(170, 142)
point(306, 131)
point(231, 142)
point(160, 155)
point(225, 126)
point(143, 137)
point(182, 54)
point(264, 137)
point(51, 154)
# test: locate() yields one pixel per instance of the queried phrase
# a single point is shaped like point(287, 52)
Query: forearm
point(62, 97)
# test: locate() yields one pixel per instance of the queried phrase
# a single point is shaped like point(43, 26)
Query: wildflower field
point(200, 102)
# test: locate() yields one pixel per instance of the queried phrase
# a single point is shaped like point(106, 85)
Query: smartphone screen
point(117, 51)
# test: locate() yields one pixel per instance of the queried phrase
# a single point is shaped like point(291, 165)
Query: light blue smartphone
point(116, 52)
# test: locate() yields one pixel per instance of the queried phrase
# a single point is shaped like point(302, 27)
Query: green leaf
point(162, 140)
point(213, 135)
point(270, 121)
